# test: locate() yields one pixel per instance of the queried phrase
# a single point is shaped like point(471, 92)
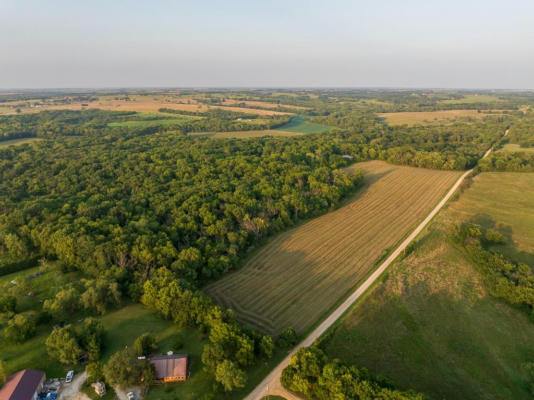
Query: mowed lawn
point(430, 325)
point(429, 117)
point(300, 274)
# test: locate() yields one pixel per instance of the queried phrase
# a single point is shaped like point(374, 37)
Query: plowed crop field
point(300, 274)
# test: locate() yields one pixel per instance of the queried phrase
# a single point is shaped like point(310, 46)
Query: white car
point(69, 377)
point(130, 395)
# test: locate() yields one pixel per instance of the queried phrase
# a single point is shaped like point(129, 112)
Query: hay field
point(300, 274)
point(246, 134)
point(429, 117)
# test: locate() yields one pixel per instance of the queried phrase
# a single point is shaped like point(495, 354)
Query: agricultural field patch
point(263, 104)
point(145, 123)
point(515, 148)
point(299, 275)
point(430, 117)
point(430, 324)
point(471, 99)
point(16, 142)
point(301, 124)
point(245, 134)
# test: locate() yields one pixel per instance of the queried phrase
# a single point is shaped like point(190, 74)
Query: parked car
point(69, 377)
point(130, 395)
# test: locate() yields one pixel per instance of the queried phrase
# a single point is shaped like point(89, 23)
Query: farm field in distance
point(16, 142)
point(430, 117)
point(301, 124)
point(246, 134)
point(511, 147)
point(430, 324)
point(300, 274)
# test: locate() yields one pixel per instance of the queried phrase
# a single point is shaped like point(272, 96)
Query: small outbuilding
point(170, 367)
point(24, 385)
point(100, 388)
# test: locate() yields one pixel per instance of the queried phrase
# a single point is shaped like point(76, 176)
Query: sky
point(274, 43)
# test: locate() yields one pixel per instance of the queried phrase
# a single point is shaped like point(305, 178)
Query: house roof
point(169, 365)
point(22, 385)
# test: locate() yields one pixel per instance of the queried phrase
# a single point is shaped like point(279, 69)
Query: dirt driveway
point(71, 391)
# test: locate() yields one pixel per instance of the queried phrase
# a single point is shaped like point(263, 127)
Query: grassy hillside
point(430, 325)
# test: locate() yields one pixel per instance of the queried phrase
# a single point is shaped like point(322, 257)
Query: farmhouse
point(170, 367)
point(24, 385)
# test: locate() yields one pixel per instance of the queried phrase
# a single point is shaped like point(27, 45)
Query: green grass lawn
point(300, 124)
point(429, 325)
point(16, 142)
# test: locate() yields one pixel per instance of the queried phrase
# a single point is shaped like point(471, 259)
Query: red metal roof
point(22, 385)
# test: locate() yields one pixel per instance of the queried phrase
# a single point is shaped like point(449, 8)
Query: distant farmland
point(429, 117)
point(302, 273)
point(245, 134)
point(302, 125)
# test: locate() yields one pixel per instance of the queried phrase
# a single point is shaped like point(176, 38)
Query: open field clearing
point(264, 104)
point(430, 325)
point(300, 124)
point(137, 124)
point(300, 274)
point(245, 134)
point(504, 201)
point(429, 117)
point(16, 142)
point(470, 99)
point(515, 148)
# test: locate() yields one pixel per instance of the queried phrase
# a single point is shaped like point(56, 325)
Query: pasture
point(429, 325)
point(301, 274)
point(246, 134)
point(430, 117)
point(300, 124)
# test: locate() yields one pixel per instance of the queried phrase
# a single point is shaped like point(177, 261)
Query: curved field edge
point(429, 324)
point(302, 273)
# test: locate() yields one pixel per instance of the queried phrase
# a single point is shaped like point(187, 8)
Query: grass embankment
point(300, 274)
point(300, 124)
point(430, 325)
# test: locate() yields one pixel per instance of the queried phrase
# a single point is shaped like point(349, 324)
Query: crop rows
point(302, 273)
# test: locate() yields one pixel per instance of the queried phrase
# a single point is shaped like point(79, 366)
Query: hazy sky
point(386, 43)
